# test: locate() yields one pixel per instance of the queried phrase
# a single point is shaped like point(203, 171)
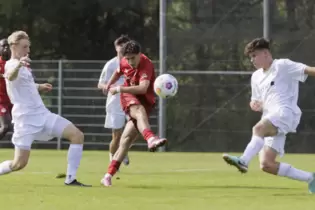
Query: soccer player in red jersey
point(137, 100)
point(5, 103)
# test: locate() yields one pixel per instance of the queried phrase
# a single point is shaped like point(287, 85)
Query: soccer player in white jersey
point(115, 116)
point(275, 90)
point(32, 120)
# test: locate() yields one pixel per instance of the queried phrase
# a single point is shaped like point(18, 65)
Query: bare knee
point(73, 134)
point(77, 137)
point(266, 165)
point(18, 165)
point(259, 129)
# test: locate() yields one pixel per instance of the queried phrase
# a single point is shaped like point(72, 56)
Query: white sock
point(74, 158)
point(111, 157)
point(287, 170)
point(252, 149)
point(5, 167)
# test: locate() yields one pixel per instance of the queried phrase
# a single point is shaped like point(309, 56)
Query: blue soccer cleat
point(237, 162)
point(311, 185)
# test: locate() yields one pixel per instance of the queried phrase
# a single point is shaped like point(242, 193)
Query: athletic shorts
point(41, 127)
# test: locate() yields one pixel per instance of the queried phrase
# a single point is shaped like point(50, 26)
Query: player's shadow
point(187, 187)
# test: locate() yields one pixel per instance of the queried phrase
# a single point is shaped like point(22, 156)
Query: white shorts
point(286, 121)
point(42, 127)
point(115, 121)
point(276, 142)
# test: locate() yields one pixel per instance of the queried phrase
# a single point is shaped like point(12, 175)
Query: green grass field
point(153, 181)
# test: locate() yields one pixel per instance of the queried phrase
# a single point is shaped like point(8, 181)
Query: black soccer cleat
point(76, 183)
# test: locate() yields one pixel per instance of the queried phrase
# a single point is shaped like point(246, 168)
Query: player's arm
point(105, 76)
point(43, 88)
point(140, 89)
point(114, 78)
point(13, 72)
point(309, 71)
point(145, 76)
point(255, 102)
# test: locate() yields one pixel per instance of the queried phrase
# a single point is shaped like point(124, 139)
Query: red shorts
point(128, 100)
point(5, 108)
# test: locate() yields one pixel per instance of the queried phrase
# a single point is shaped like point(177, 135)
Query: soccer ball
point(165, 86)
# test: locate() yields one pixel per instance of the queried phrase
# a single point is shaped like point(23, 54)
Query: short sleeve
point(105, 75)
point(295, 70)
point(146, 72)
point(10, 66)
point(256, 96)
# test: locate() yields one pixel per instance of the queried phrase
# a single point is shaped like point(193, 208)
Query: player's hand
point(114, 90)
point(25, 61)
point(46, 87)
point(256, 106)
point(105, 89)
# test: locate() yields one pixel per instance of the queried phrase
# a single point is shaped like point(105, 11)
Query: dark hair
point(121, 40)
point(256, 44)
point(131, 47)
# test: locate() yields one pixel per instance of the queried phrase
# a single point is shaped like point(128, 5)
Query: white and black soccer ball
point(165, 86)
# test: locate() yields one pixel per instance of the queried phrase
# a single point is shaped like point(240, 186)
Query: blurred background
point(200, 42)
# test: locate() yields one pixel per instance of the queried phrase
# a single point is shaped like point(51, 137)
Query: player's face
point(22, 48)
point(259, 58)
point(4, 49)
point(133, 59)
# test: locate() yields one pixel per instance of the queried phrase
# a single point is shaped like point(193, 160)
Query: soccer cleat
point(235, 161)
point(311, 185)
point(76, 183)
point(126, 160)
point(154, 143)
point(107, 180)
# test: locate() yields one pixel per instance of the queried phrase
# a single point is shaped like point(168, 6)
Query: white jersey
point(279, 86)
point(23, 92)
point(113, 101)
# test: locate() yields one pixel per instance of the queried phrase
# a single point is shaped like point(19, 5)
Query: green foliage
point(201, 35)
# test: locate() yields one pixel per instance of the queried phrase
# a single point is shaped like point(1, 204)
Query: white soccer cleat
point(107, 180)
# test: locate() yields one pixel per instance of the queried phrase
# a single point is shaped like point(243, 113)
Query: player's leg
point(5, 121)
point(268, 163)
point(140, 113)
point(21, 155)
point(58, 126)
point(263, 128)
point(115, 122)
point(129, 134)
point(114, 144)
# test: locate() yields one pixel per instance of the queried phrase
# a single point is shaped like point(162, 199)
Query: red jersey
point(4, 98)
point(133, 76)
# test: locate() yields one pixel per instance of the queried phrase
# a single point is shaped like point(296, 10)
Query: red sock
point(147, 133)
point(113, 167)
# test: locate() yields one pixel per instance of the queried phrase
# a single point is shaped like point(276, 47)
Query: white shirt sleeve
point(106, 74)
point(10, 66)
point(256, 96)
point(295, 70)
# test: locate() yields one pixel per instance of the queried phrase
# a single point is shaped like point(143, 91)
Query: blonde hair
point(16, 36)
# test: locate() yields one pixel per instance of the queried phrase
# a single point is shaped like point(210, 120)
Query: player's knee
point(18, 165)
point(77, 137)
point(259, 129)
point(266, 165)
